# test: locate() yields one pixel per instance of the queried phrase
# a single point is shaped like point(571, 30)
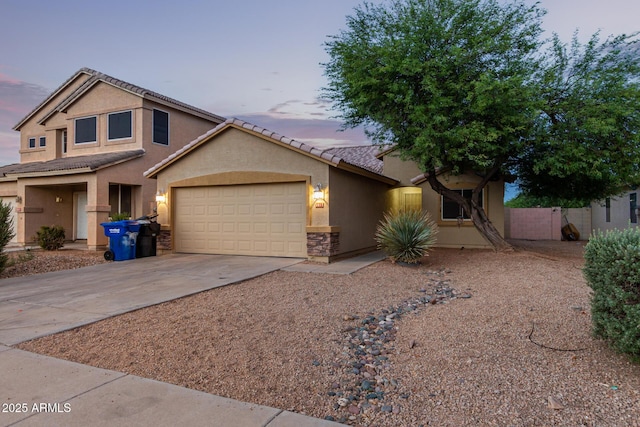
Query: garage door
point(255, 219)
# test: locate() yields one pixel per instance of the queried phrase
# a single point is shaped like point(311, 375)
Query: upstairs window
point(452, 211)
point(86, 130)
point(120, 125)
point(32, 143)
point(160, 127)
point(43, 141)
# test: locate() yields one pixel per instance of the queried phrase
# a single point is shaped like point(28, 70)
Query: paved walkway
point(39, 390)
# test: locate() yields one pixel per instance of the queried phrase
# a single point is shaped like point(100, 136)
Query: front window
point(86, 130)
point(43, 141)
point(120, 198)
point(32, 143)
point(452, 211)
point(120, 125)
point(633, 204)
point(160, 127)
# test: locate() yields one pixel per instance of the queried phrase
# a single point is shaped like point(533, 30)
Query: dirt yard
point(469, 338)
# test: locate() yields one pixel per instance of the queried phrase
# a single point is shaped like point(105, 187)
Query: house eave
point(49, 173)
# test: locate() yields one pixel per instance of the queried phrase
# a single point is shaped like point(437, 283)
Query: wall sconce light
point(58, 199)
point(318, 196)
point(318, 192)
point(18, 199)
point(161, 197)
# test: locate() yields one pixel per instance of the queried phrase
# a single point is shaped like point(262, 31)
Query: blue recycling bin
point(122, 239)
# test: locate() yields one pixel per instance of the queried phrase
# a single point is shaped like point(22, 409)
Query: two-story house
point(83, 151)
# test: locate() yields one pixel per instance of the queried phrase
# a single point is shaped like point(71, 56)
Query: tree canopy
point(470, 85)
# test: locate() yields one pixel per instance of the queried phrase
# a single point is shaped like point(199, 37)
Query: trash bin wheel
point(109, 255)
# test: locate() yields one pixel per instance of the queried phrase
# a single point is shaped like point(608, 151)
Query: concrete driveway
point(35, 306)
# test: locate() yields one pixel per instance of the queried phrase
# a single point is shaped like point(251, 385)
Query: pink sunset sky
point(256, 60)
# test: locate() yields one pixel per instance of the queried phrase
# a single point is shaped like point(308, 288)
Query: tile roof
point(91, 162)
point(94, 78)
point(362, 157)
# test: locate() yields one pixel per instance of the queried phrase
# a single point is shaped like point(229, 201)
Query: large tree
point(587, 143)
point(456, 86)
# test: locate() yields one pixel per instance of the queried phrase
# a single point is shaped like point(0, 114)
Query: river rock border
point(364, 391)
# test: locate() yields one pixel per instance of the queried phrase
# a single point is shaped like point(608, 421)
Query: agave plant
point(406, 236)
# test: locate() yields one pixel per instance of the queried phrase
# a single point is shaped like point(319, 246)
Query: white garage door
point(255, 219)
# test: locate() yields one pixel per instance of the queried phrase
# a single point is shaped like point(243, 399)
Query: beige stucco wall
point(99, 101)
point(399, 169)
point(450, 233)
point(233, 157)
point(356, 206)
point(31, 128)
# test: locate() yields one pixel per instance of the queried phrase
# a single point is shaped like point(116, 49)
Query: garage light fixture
point(161, 197)
point(318, 192)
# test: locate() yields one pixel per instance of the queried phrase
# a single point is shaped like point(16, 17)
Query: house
point(241, 189)
point(615, 212)
point(83, 151)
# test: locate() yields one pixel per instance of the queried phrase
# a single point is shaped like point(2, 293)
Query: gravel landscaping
point(468, 338)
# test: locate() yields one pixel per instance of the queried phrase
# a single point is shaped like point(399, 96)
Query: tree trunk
point(474, 209)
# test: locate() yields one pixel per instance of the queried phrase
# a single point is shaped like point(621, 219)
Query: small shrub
point(406, 236)
point(6, 232)
point(51, 238)
point(612, 270)
point(119, 216)
point(20, 257)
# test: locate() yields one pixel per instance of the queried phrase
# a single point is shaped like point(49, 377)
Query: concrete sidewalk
point(346, 266)
point(44, 391)
point(39, 390)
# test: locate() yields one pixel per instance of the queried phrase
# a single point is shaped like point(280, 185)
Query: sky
point(252, 59)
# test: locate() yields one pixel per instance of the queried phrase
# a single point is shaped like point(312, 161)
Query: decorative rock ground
point(366, 349)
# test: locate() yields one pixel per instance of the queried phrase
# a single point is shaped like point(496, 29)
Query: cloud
point(17, 99)
point(320, 133)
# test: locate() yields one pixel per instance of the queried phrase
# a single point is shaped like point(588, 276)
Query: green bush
point(406, 236)
point(612, 270)
point(119, 216)
point(51, 238)
point(6, 232)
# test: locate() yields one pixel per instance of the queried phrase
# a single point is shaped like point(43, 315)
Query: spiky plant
point(6, 232)
point(406, 236)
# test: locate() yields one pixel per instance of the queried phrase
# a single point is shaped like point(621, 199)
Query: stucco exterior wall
point(619, 213)
point(31, 128)
point(183, 128)
point(399, 169)
point(100, 101)
point(452, 234)
point(233, 157)
point(356, 206)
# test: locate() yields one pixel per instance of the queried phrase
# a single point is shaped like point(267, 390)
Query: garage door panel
point(260, 219)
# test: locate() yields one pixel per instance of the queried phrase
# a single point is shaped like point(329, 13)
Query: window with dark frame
point(453, 211)
point(607, 209)
point(120, 198)
point(43, 141)
point(633, 205)
point(160, 127)
point(32, 143)
point(86, 130)
point(120, 125)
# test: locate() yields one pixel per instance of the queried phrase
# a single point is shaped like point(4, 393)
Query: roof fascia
point(50, 173)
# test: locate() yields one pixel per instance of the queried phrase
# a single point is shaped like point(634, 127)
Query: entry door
point(81, 215)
